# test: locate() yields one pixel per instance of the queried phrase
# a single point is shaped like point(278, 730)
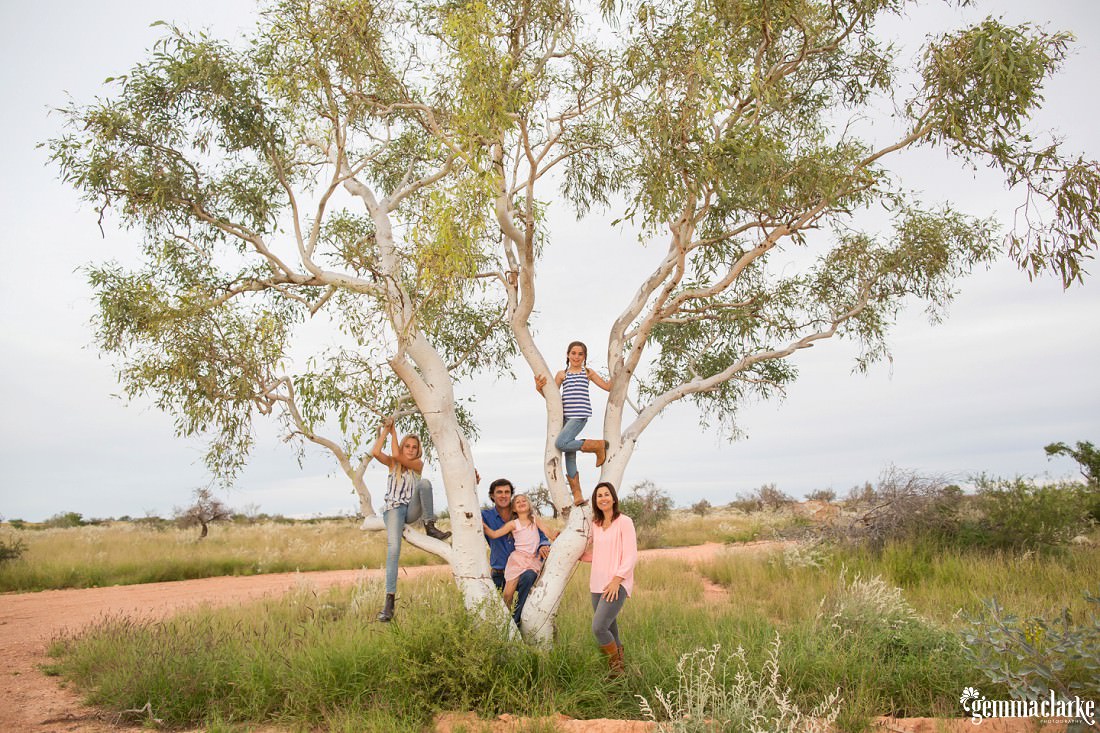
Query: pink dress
point(525, 557)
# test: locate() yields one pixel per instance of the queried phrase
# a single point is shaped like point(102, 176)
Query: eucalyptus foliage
point(740, 122)
point(230, 159)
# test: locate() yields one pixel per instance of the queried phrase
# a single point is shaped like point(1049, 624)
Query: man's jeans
point(523, 587)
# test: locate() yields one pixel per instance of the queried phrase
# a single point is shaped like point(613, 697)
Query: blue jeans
point(397, 518)
point(421, 505)
point(568, 444)
point(523, 588)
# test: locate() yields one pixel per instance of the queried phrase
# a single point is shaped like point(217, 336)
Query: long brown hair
point(596, 512)
point(570, 348)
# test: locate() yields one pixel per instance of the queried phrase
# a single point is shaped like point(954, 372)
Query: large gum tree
point(389, 168)
point(727, 134)
point(276, 196)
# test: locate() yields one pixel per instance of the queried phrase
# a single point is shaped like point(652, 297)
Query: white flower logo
point(968, 696)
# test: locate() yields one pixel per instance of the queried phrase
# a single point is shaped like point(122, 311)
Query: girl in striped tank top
point(577, 408)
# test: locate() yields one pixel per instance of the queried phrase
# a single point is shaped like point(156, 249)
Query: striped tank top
point(574, 396)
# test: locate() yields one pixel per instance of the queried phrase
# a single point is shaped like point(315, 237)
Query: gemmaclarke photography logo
point(1052, 708)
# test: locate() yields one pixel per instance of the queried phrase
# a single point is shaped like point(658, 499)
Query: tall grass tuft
point(710, 697)
point(312, 659)
point(944, 583)
point(893, 647)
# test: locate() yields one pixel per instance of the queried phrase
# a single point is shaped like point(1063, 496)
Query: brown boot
point(432, 531)
point(387, 610)
point(575, 485)
point(599, 447)
point(614, 659)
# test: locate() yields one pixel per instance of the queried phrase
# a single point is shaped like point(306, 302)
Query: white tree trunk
point(430, 386)
point(537, 622)
point(470, 562)
point(466, 553)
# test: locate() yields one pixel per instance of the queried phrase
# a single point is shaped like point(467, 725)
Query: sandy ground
point(32, 702)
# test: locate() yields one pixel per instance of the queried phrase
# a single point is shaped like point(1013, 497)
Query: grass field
point(123, 553)
point(882, 630)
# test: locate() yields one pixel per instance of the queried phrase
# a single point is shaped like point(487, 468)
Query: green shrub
point(1032, 657)
point(648, 506)
point(746, 503)
point(702, 508)
point(152, 521)
point(910, 509)
point(1020, 513)
point(63, 520)
point(767, 496)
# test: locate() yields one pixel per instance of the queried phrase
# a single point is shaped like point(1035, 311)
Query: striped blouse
point(574, 395)
point(399, 492)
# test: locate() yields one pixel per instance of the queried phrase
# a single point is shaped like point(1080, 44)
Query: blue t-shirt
point(502, 547)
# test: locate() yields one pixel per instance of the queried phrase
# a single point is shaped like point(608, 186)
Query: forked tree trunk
point(541, 610)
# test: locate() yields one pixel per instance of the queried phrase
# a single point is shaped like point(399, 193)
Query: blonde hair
point(398, 467)
point(530, 506)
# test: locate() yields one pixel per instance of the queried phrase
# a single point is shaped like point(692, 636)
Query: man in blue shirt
point(496, 516)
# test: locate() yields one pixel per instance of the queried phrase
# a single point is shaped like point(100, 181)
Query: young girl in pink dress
point(525, 532)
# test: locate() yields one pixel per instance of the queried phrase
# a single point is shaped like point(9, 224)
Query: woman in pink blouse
point(614, 550)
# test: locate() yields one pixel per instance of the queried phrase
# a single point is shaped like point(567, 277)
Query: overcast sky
point(1010, 370)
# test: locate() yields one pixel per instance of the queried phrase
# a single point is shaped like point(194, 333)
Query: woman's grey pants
point(604, 625)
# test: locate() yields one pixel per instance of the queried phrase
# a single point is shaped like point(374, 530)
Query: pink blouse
point(613, 552)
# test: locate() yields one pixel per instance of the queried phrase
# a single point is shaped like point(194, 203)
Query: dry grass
point(121, 553)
